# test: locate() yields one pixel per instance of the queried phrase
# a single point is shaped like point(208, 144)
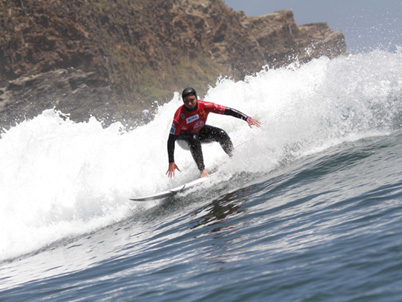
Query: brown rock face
point(81, 94)
point(282, 41)
point(139, 51)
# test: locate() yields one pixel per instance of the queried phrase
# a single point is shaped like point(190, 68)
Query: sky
point(366, 24)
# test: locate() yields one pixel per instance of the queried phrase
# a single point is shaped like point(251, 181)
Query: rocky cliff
point(114, 58)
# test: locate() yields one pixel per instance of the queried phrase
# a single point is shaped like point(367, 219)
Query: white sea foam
point(60, 179)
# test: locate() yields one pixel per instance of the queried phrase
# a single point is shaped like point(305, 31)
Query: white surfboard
point(170, 192)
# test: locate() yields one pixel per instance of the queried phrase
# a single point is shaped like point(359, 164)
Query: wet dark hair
point(188, 91)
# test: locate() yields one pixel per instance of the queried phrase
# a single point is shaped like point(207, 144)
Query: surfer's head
point(189, 96)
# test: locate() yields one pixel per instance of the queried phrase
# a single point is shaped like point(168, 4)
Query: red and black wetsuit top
point(191, 122)
point(186, 121)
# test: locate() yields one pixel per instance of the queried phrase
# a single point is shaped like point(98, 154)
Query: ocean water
point(308, 209)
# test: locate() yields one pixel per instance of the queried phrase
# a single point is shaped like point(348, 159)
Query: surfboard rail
point(170, 192)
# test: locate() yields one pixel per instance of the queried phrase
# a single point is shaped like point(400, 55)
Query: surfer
point(189, 129)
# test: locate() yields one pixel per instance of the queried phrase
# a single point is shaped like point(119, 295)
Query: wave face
point(307, 199)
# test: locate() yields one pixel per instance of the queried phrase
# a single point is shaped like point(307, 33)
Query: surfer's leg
point(194, 145)
point(196, 152)
point(210, 134)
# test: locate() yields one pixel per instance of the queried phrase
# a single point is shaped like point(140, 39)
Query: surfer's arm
point(236, 113)
point(170, 146)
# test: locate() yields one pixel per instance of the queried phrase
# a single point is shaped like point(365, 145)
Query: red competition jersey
point(186, 121)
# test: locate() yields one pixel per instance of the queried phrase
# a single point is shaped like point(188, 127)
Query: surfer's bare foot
point(204, 173)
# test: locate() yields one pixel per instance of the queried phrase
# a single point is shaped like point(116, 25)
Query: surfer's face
point(190, 101)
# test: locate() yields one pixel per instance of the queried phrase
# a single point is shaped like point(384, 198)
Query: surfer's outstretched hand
point(253, 122)
point(172, 167)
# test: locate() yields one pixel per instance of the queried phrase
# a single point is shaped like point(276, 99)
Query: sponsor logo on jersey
point(192, 118)
point(202, 113)
point(173, 129)
point(198, 124)
point(181, 115)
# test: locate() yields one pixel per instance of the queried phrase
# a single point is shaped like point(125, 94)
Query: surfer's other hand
point(172, 167)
